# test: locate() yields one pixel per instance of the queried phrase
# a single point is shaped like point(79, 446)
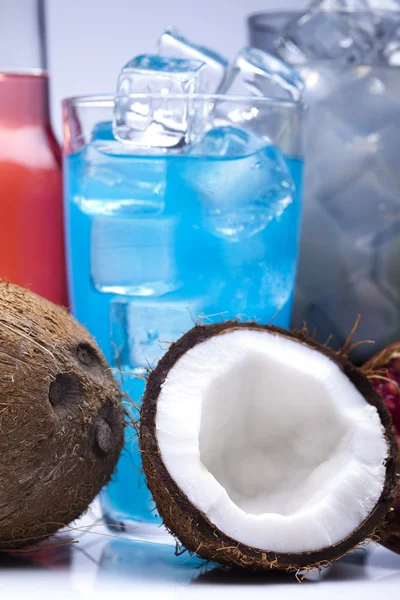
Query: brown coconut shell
point(192, 527)
point(61, 419)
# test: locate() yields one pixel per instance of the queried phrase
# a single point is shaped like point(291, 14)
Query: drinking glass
point(31, 223)
point(158, 240)
point(351, 225)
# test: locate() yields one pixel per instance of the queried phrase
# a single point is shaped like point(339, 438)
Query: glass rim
point(108, 100)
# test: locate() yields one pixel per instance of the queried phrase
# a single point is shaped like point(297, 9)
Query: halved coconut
point(264, 449)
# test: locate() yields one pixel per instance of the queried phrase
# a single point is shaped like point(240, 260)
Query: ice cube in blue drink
point(257, 72)
point(156, 121)
point(143, 328)
point(140, 183)
point(133, 255)
point(257, 189)
point(173, 43)
point(225, 141)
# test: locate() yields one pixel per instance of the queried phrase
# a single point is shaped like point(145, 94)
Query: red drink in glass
point(31, 223)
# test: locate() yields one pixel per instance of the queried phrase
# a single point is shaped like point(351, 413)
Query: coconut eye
point(64, 391)
point(86, 354)
point(104, 428)
point(103, 437)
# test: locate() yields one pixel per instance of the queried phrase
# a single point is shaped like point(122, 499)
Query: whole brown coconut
point(269, 403)
point(384, 372)
point(61, 420)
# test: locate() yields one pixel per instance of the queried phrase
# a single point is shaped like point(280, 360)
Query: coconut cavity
point(263, 449)
point(61, 419)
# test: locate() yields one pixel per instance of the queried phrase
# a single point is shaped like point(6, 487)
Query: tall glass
point(158, 240)
point(349, 260)
point(31, 223)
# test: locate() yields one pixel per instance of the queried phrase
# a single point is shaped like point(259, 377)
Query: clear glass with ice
point(350, 62)
point(185, 211)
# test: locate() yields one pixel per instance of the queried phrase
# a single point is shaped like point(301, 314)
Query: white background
point(89, 40)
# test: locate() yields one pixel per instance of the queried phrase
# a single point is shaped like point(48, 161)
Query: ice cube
point(368, 103)
point(133, 256)
point(336, 155)
point(115, 184)
point(226, 141)
point(142, 329)
point(368, 206)
point(288, 51)
point(156, 121)
point(241, 196)
point(257, 72)
point(173, 43)
point(319, 82)
point(340, 34)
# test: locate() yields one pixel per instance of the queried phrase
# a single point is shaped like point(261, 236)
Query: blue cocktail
point(158, 240)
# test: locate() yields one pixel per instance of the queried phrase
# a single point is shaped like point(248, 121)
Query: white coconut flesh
point(271, 441)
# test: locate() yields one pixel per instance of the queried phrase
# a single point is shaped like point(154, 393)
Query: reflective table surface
point(90, 561)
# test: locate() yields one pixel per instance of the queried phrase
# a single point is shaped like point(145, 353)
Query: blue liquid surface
point(156, 243)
